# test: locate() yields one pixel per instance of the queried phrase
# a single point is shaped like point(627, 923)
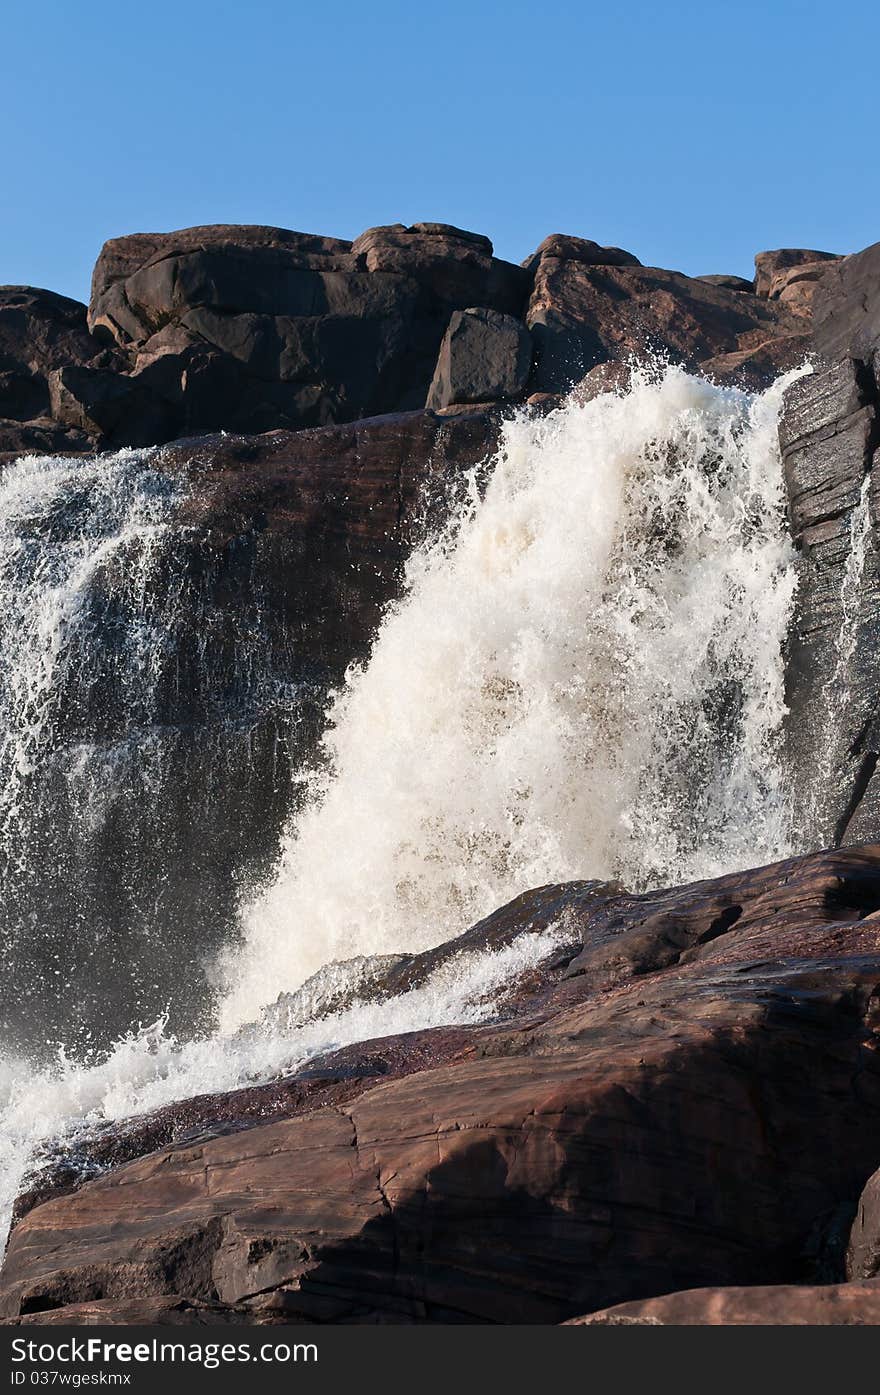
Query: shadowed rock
point(485, 356)
point(252, 329)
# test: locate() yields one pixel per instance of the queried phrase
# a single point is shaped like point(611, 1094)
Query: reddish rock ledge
point(685, 1096)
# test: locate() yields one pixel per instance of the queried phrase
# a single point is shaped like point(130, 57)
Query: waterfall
point(131, 713)
point(583, 677)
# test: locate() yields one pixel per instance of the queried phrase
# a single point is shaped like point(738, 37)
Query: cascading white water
point(584, 678)
point(65, 525)
point(123, 703)
point(87, 638)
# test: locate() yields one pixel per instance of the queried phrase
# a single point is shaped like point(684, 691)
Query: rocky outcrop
point(685, 1095)
point(773, 268)
point(582, 313)
point(252, 329)
point(40, 334)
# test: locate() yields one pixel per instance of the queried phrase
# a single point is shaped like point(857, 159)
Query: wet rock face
point(829, 433)
point(687, 1097)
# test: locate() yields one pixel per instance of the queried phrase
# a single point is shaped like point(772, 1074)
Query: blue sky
point(693, 134)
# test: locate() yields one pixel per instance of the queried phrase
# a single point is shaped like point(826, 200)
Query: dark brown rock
point(238, 248)
point(795, 287)
point(107, 406)
point(579, 249)
point(42, 436)
point(754, 369)
point(254, 329)
point(768, 265)
point(863, 1252)
point(40, 334)
point(485, 356)
point(729, 283)
point(829, 433)
point(613, 376)
point(581, 315)
point(139, 1312)
point(846, 308)
point(687, 1101)
point(251, 329)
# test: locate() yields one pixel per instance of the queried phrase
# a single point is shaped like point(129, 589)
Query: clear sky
point(692, 133)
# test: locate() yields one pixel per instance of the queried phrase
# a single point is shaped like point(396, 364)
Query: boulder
point(578, 249)
point(107, 406)
point(42, 333)
point(252, 328)
point(485, 356)
point(613, 376)
point(42, 436)
point(137, 276)
point(846, 308)
point(795, 287)
point(684, 1094)
point(768, 265)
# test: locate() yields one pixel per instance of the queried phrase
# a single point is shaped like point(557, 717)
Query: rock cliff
point(253, 329)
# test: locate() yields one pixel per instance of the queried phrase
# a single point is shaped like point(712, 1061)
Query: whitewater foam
point(584, 678)
point(130, 701)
